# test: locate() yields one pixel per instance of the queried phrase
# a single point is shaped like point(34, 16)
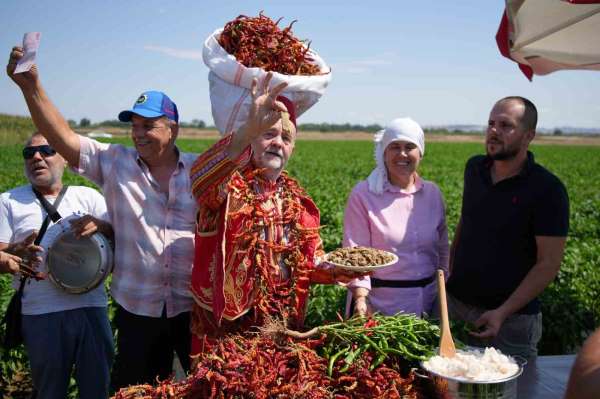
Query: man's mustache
point(277, 153)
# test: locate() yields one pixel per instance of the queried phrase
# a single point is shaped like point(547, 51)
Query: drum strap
point(51, 210)
point(51, 214)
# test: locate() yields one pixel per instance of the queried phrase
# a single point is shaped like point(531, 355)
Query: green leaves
point(15, 129)
point(328, 170)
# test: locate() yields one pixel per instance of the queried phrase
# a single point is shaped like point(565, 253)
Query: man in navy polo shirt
point(510, 239)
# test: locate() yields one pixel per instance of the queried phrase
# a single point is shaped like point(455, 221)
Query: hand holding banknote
point(21, 65)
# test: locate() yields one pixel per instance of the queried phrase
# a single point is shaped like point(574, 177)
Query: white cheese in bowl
point(474, 365)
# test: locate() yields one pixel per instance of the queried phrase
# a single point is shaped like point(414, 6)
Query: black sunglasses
point(45, 150)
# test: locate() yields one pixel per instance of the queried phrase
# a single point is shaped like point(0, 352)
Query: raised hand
point(25, 80)
point(264, 111)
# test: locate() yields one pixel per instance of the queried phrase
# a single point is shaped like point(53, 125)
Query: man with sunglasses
point(150, 206)
point(61, 331)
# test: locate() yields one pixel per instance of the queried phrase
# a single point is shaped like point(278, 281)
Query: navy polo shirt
point(499, 222)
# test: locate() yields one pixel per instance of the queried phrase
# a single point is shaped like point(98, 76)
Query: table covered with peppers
point(358, 358)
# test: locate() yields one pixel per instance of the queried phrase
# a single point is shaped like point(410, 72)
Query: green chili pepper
point(377, 362)
point(350, 358)
point(332, 360)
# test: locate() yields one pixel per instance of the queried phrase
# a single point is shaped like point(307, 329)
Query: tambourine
point(78, 265)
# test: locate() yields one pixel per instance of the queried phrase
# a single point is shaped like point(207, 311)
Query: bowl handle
point(418, 373)
point(521, 361)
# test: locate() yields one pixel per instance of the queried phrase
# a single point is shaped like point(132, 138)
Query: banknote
point(31, 43)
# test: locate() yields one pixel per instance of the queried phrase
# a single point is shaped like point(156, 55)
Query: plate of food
point(360, 259)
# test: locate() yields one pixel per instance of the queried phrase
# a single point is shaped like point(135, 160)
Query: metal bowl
point(458, 388)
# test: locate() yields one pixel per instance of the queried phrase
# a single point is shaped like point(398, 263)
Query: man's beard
point(504, 154)
point(43, 181)
point(273, 160)
point(46, 181)
point(273, 164)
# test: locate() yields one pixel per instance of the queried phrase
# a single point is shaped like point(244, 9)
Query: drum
point(78, 265)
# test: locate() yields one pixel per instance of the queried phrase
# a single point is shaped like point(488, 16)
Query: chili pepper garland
point(275, 297)
point(259, 42)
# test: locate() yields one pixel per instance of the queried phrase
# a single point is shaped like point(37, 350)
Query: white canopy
point(544, 36)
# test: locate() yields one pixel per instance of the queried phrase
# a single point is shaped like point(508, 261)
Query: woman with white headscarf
point(397, 211)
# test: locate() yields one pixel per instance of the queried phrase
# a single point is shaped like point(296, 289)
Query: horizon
point(460, 128)
point(436, 62)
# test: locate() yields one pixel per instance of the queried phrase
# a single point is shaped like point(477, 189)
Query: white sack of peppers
point(230, 82)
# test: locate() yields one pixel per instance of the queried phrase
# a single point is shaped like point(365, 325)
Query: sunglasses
point(44, 150)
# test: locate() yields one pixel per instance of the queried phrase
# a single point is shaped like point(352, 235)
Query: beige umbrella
point(544, 36)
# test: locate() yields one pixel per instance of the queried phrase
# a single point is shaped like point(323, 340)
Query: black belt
point(375, 282)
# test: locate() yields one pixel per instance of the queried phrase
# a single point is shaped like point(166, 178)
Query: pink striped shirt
point(154, 232)
point(411, 224)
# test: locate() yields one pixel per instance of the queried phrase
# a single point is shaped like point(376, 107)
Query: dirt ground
point(358, 136)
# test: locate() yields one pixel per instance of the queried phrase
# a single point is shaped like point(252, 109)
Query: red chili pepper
point(370, 323)
point(259, 42)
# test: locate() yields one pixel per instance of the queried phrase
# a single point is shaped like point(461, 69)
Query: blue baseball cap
point(152, 104)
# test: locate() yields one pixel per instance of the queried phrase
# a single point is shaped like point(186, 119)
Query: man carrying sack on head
point(257, 230)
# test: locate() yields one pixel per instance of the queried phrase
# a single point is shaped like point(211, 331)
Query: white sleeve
point(98, 205)
point(6, 231)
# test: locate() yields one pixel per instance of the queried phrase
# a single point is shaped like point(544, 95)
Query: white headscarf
point(404, 129)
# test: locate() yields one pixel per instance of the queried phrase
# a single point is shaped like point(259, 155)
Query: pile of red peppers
point(259, 42)
point(261, 367)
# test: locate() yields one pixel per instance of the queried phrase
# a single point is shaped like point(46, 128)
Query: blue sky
point(435, 61)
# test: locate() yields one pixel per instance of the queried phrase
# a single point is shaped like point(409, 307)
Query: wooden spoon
point(447, 348)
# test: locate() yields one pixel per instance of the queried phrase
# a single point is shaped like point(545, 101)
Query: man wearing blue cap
point(147, 191)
